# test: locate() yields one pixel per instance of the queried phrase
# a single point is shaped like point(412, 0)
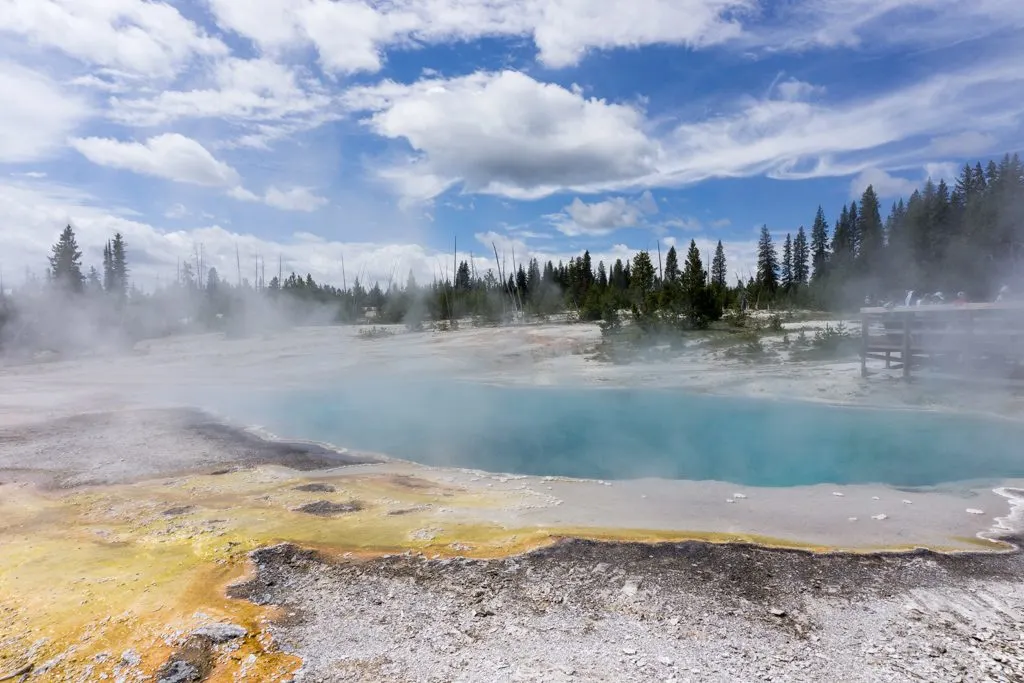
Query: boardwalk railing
point(978, 341)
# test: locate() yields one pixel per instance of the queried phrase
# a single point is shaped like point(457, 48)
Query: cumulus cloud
point(885, 184)
point(170, 156)
point(294, 199)
point(508, 134)
point(603, 217)
point(793, 89)
point(352, 36)
point(505, 133)
point(36, 116)
point(139, 37)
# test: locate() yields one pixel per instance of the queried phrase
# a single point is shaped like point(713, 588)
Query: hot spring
point(622, 433)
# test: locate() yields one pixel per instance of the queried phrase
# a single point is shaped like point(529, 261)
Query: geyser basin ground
point(140, 556)
point(627, 433)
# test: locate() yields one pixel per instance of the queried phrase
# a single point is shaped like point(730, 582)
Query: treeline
point(577, 286)
point(966, 238)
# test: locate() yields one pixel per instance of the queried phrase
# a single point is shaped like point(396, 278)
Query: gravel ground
point(630, 612)
point(122, 446)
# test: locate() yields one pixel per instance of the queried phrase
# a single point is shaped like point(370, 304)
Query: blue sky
point(381, 132)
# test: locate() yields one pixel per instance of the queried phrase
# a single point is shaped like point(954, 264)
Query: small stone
point(674, 621)
point(221, 633)
point(729, 500)
point(975, 511)
point(852, 519)
point(875, 498)
point(776, 612)
point(838, 494)
point(908, 502)
point(628, 651)
point(666, 661)
point(630, 588)
point(739, 496)
point(880, 516)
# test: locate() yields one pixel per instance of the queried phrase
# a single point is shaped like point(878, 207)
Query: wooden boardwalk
point(983, 341)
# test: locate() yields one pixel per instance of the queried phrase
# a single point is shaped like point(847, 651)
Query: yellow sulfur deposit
point(104, 583)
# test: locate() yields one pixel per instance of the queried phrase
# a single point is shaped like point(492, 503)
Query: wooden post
point(906, 345)
point(864, 345)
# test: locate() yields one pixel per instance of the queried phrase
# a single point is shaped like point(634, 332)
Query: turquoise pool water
point(629, 433)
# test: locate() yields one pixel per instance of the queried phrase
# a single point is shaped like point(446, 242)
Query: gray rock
point(221, 633)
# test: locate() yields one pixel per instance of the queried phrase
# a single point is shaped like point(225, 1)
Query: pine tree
point(842, 244)
point(694, 276)
point(642, 280)
point(119, 265)
point(602, 276)
point(533, 276)
point(786, 279)
point(66, 262)
point(819, 244)
point(93, 283)
point(108, 267)
point(800, 258)
point(853, 231)
point(619, 281)
point(462, 283)
point(520, 281)
point(718, 267)
point(671, 266)
point(767, 262)
point(871, 232)
point(701, 304)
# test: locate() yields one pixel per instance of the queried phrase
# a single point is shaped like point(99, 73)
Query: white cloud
point(604, 217)
point(721, 223)
point(568, 28)
point(801, 140)
point(794, 90)
point(170, 156)
point(946, 170)
point(352, 35)
point(295, 199)
point(36, 116)
point(505, 133)
point(177, 211)
point(264, 97)
point(965, 143)
point(868, 23)
point(508, 134)
point(150, 38)
point(884, 184)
